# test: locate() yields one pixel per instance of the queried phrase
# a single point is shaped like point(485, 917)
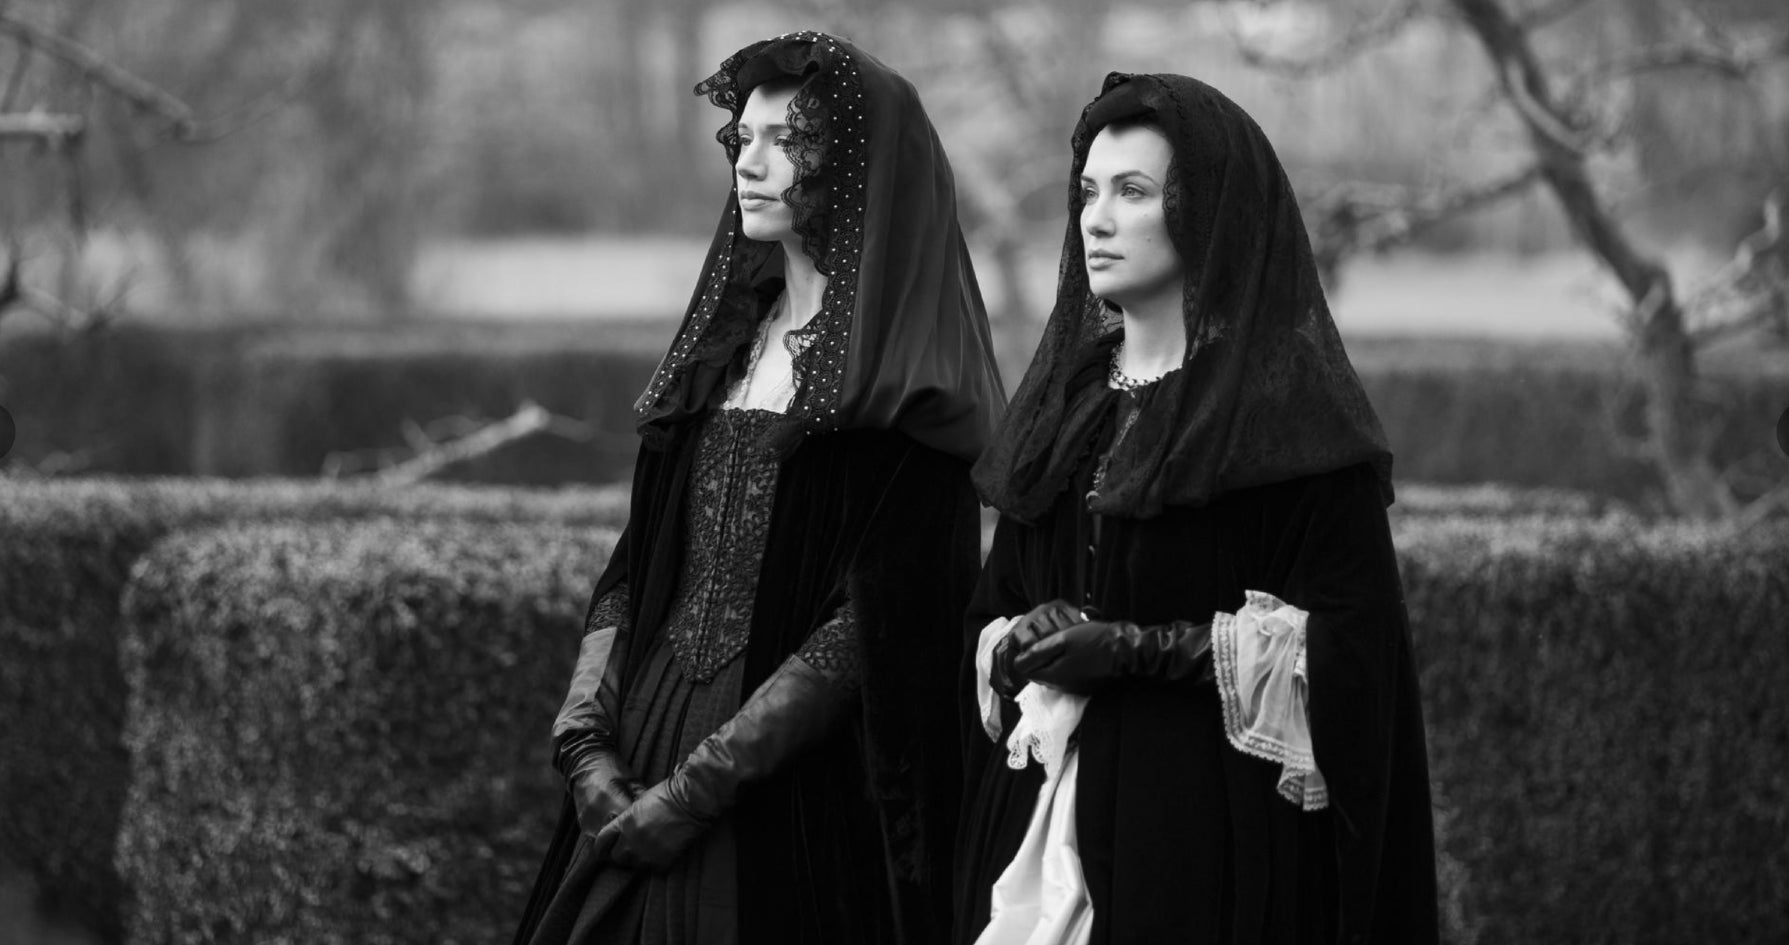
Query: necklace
point(1118, 380)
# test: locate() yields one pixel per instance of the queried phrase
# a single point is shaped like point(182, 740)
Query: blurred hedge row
point(334, 718)
point(1608, 736)
point(339, 731)
point(241, 402)
point(66, 550)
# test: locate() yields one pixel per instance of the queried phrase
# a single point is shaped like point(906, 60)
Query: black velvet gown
point(1182, 837)
point(858, 553)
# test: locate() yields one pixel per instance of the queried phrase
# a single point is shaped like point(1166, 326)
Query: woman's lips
point(1101, 259)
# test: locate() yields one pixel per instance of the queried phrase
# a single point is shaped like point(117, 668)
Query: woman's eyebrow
point(1121, 175)
point(777, 126)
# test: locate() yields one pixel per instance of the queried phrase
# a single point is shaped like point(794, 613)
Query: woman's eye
point(1087, 193)
point(782, 141)
point(1132, 190)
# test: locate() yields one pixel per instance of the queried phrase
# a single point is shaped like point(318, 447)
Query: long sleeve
point(836, 649)
point(582, 711)
point(1366, 724)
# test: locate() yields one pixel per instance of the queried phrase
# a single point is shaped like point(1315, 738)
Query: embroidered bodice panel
point(726, 521)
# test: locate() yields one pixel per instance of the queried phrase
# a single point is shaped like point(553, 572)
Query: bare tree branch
point(1349, 47)
point(15, 83)
point(1354, 219)
point(430, 455)
point(1544, 16)
point(1740, 298)
point(1739, 64)
point(95, 69)
point(1657, 323)
point(1762, 508)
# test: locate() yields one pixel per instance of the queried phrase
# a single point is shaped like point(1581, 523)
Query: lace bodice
point(727, 518)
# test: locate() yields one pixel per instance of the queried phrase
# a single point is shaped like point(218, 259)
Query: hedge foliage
point(277, 401)
point(335, 706)
point(339, 730)
point(1608, 736)
point(66, 549)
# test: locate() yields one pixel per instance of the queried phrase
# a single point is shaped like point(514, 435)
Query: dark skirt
point(664, 717)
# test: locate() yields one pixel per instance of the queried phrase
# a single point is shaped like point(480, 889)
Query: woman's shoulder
point(1356, 484)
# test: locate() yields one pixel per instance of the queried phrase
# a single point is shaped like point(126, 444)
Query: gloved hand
point(601, 783)
point(795, 709)
point(586, 749)
point(1091, 656)
point(1039, 622)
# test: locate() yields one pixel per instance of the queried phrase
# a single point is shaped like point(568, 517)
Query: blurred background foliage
point(384, 182)
point(339, 144)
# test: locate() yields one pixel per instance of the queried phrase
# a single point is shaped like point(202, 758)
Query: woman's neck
point(802, 283)
point(1154, 340)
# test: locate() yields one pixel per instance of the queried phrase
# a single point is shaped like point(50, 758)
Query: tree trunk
point(1667, 355)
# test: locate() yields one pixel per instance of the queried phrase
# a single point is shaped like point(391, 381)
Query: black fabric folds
point(872, 510)
point(901, 340)
point(1182, 837)
point(1266, 393)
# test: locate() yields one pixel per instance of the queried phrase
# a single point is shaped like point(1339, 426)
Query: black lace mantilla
point(1266, 392)
point(732, 492)
point(829, 147)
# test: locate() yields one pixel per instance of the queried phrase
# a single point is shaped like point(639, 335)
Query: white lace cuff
point(1259, 655)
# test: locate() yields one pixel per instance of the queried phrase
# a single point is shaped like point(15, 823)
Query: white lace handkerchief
point(1047, 720)
point(1047, 717)
point(985, 699)
point(1259, 655)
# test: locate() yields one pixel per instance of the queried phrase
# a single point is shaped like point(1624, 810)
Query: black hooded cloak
point(869, 522)
point(1256, 465)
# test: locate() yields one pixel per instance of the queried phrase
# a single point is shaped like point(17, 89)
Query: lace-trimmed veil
point(1266, 392)
point(901, 339)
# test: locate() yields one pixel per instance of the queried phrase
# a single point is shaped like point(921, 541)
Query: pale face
point(1131, 261)
point(763, 170)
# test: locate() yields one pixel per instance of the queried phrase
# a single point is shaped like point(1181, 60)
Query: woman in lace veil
point(1198, 710)
point(759, 742)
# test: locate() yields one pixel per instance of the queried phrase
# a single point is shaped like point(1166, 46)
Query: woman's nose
point(1096, 218)
point(751, 162)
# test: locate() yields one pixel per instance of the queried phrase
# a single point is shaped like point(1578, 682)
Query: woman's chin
point(1106, 287)
point(765, 231)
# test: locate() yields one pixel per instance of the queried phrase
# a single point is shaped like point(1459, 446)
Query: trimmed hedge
point(272, 400)
point(275, 400)
point(64, 563)
point(334, 725)
point(339, 730)
point(1608, 737)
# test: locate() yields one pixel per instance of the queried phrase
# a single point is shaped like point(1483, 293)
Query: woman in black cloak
point(1191, 614)
point(760, 739)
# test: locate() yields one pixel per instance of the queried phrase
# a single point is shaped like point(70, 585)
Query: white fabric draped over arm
point(1259, 656)
point(1041, 897)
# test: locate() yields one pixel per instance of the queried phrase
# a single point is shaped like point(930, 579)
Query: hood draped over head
point(1266, 392)
point(901, 339)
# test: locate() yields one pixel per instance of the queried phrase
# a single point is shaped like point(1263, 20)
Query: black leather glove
point(795, 709)
point(1041, 621)
point(586, 747)
point(1091, 656)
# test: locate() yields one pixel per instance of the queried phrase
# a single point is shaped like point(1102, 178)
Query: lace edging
point(1300, 782)
point(1048, 719)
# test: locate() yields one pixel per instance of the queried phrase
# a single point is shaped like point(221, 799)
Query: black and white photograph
point(894, 472)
